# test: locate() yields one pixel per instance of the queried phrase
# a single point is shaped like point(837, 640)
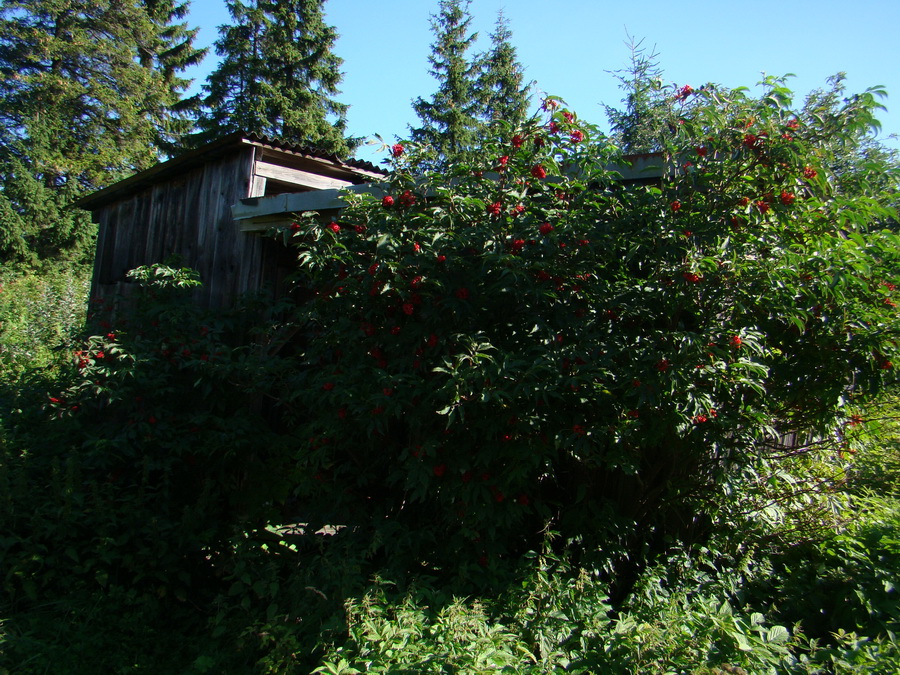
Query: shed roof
point(355, 170)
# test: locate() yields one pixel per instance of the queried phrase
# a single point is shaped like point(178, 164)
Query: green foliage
point(875, 432)
point(450, 119)
point(838, 586)
point(132, 478)
point(532, 341)
point(648, 110)
point(41, 317)
point(845, 581)
point(89, 93)
point(233, 89)
point(424, 633)
point(500, 82)
point(581, 425)
point(558, 619)
point(277, 77)
point(473, 92)
point(860, 164)
point(700, 611)
point(173, 54)
point(116, 630)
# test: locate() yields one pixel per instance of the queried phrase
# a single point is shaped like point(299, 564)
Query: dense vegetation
point(519, 415)
point(89, 93)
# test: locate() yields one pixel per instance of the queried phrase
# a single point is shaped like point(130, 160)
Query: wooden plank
point(106, 242)
point(267, 223)
point(214, 272)
point(256, 215)
point(297, 177)
point(126, 237)
point(243, 256)
point(258, 186)
point(186, 233)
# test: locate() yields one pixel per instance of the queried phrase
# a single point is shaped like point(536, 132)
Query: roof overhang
point(259, 214)
point(331, 166)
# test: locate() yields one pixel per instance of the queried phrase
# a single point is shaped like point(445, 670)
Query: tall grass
point(40, 317)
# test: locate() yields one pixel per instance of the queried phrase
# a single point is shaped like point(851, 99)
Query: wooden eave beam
point(263, 213)
point(291, 176)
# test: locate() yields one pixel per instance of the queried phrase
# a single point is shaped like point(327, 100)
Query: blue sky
point(569, 47)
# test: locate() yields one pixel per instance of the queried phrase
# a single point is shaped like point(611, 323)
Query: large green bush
point(527, 342)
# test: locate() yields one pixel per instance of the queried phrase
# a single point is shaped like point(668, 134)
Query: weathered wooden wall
point(189, 216)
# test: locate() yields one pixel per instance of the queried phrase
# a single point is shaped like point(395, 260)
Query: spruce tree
point(500, 85)
point(277, 76)
point(233, 98)
point(641, 125)
point(172, 53)
point(451, 119)
point(87, 90)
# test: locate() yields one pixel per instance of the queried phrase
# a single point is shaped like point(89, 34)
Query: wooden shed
point(183, 207)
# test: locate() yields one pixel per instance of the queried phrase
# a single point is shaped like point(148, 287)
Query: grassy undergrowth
point(823, 604)
point(772, 591)
point(40, 315)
